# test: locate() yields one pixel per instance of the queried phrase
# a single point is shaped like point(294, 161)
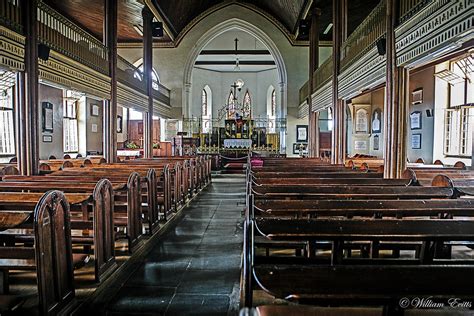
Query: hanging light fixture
point(237, 66)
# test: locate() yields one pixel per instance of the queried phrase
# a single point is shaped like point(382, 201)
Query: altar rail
point(65, 37)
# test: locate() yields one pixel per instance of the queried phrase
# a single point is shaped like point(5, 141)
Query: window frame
point(70, 116)
point(10, 119)
point(458, 115)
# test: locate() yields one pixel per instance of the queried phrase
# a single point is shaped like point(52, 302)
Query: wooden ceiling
point(357, 11)
point(180, 13)
point(177, 14)
point(89, 14)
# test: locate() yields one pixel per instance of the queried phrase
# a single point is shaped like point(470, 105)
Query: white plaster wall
point(170, 62)
point(256, 83)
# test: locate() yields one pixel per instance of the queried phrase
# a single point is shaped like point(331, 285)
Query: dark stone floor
point(195, 268)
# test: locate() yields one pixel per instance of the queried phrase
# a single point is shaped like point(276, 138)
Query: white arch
point(235, 24)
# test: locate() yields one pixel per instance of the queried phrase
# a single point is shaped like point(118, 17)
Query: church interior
point(237, 157)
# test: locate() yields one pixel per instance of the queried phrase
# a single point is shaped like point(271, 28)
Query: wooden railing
point(364, 36)
point(304, 92)
point(321, 76)
point(67, 38)
point(10, 15)
point(131, 76)
point(408, 8)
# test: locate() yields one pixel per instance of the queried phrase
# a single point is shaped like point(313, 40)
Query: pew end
point(442, 181)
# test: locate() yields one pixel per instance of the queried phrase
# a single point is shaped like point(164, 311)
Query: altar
point(237, 143)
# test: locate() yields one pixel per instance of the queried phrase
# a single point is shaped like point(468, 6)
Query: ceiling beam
point(234, 52)
point(303, 14)
point(158, 13)
point(231, 62)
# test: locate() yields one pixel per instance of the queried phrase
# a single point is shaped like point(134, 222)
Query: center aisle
point(195, 268)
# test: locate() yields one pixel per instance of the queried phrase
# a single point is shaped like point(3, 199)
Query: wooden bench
point(344, 281)
point(92, 213)
point(51, 257)
point(127, 197)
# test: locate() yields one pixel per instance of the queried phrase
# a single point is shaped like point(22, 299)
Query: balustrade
point(10, 15)
point(65, 37)
point(409, 7)
point(365, 35)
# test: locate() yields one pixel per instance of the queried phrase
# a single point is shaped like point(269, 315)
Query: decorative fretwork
point(437, 28)
point(322, 98)
point(320, 77)
point(409, 8)
point(364, 36)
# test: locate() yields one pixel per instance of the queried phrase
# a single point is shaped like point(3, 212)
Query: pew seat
point(363, 284)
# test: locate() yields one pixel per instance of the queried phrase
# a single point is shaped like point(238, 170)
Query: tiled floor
point(195, 268)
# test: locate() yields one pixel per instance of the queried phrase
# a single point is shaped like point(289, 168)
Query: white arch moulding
point(235, 24)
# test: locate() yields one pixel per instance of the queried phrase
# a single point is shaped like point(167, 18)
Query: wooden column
point(110, 106)
point(339, 34)
point(147, 75)
point(313, 139)
point(396, 104)
point(27, 95)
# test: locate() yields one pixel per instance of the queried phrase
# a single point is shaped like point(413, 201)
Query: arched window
point(154, 77)
point(247, 104)
point(231, 105)
point(330, 122)
point(271, 108)
point(206, 109)
point(204, 103)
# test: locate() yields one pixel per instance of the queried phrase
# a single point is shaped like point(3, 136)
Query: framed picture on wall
point(47, 138)
point(376, 142)
point(94, 110)
point(415, 120)
point(300, 148)
point(301, 133)
point(361, 121)
point(47, 116)
point(140, 128)
point(377, 121)
point(119, 123)
point(417, 96)
point(416, 141)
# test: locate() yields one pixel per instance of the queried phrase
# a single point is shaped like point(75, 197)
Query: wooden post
point(148, 79)
point(339, 33)
point(396, 104)
point(313, 139)
point(110, 106)
point(27, 93)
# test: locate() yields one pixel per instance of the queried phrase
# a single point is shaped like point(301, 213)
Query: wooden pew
point(127, 196)
point(339, 204)
point(156, 192)
point(353, 279)
point(51, 255)
point(92, 209)
point(352, 192)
